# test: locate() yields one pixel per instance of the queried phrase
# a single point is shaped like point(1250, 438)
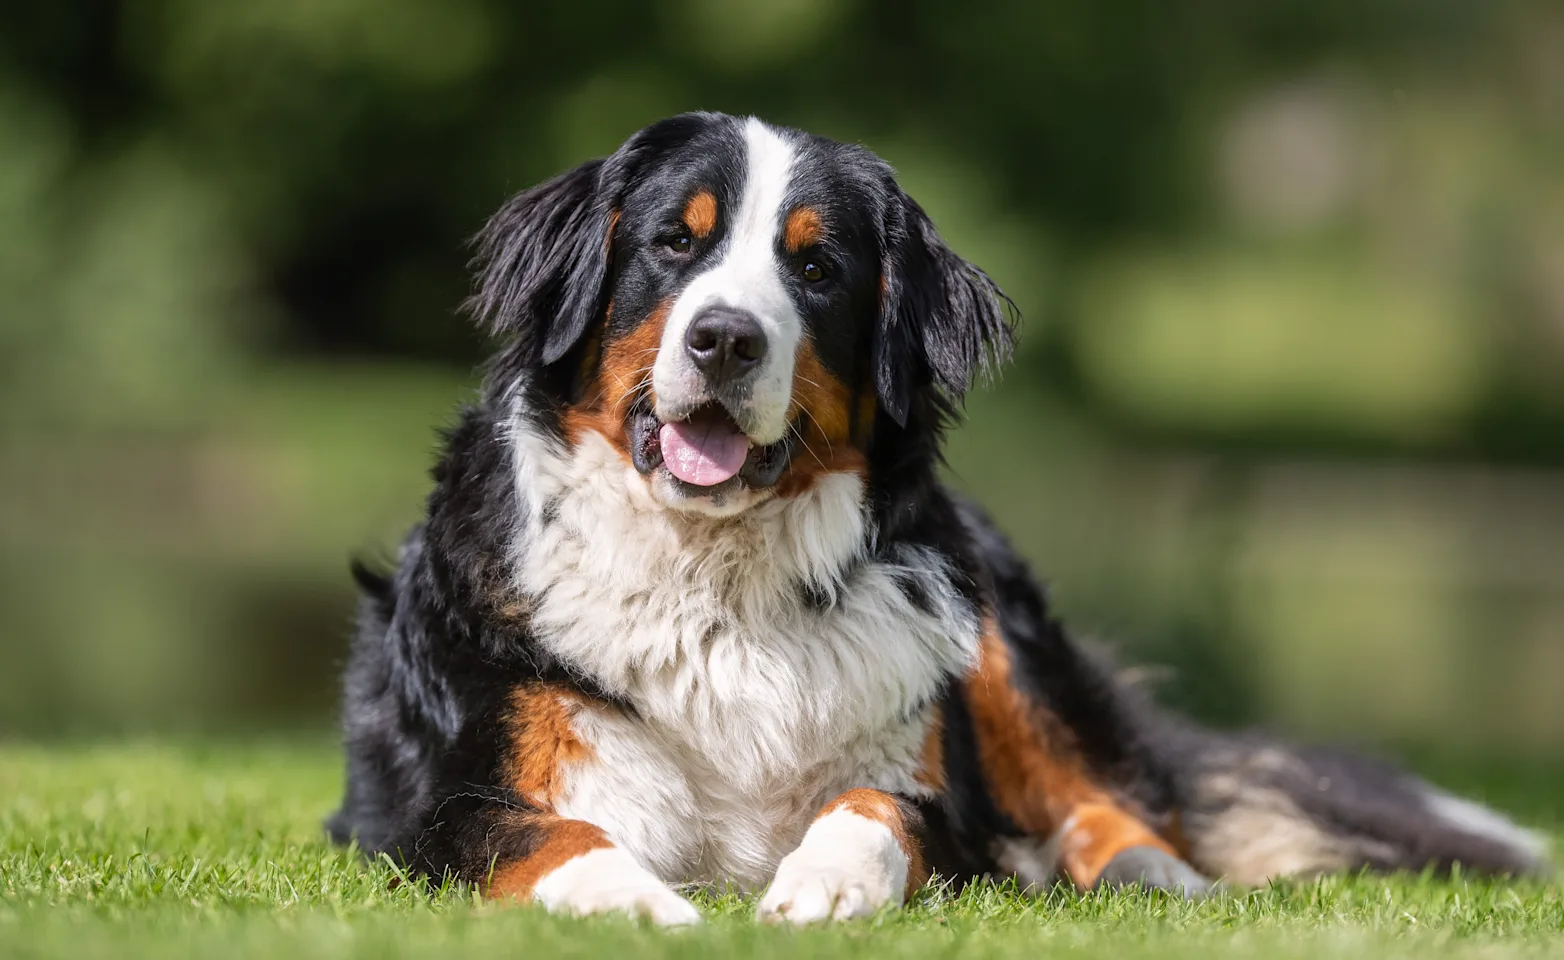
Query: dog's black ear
point(942, 320)
point(545, 260)
point(542, 263)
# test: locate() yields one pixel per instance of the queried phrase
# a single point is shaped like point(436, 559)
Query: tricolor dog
point(690, 604)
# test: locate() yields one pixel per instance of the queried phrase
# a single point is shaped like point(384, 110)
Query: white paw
point(848, 866)
point(608, 880)
point(810, 893)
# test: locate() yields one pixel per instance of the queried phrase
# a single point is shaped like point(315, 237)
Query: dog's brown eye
point(812, 272)
point(680, 243)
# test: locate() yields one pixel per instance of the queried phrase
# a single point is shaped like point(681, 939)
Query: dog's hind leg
point(1060, 735)
point(1066, 819)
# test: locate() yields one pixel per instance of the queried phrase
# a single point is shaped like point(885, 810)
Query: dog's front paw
point(608, 880)
point(848, 866)
point(808, 893)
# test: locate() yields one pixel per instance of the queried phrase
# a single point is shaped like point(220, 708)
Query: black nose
point(725, 343)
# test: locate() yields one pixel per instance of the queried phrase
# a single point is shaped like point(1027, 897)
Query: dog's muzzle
point(706, 452)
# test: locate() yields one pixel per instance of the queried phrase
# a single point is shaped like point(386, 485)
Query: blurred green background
point(1286, 425)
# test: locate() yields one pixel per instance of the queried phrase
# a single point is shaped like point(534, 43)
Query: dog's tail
point(376, 607)
point(1251, 808)
point(374, 588)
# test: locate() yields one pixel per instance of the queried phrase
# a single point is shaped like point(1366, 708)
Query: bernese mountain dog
point(691, 605)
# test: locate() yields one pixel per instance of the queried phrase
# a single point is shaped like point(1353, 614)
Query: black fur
point(942, 321)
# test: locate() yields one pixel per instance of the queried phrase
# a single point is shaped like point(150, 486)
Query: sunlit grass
point(205, 850)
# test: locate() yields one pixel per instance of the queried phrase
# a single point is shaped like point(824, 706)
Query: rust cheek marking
point(561, 841)
point(700, 214)
point(822, 406)
point(818, 393)
point(543, 741)
point(882, 808)
point(803, 228)
point(625, 366)
point(1036, 776)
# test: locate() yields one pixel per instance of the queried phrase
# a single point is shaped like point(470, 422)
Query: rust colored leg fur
point(554, 842)
point(517, 847)
point(1039, 780)
point(570, 866)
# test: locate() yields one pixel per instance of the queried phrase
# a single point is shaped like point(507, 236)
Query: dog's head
point(735, 307)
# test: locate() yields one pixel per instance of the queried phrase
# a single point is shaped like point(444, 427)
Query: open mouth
point(706, 450)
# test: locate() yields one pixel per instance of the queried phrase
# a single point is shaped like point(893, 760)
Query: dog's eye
point(812, 271)
point(679, 243)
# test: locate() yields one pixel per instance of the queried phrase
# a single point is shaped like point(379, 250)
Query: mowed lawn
point(216, 851)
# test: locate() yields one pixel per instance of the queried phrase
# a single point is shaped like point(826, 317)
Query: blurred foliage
point(1288, 416)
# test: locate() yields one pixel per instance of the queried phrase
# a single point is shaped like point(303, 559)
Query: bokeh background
point(1286, 426)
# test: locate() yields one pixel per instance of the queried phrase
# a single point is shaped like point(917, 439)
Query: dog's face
point(734, 305)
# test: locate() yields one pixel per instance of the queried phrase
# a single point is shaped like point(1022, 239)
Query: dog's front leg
point(863, 852)
point(567, 866)
point(573, 868)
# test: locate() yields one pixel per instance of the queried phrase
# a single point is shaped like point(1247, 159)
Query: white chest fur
point(752, 707)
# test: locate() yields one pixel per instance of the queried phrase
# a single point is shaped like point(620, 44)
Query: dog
point(691, 605)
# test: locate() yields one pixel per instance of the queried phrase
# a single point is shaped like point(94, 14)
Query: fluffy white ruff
point(753, 707)
point(608, 880)
point(848, 866)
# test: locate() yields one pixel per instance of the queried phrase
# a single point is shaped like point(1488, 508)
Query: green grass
point(168, 851)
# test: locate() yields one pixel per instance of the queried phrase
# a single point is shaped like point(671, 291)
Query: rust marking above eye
point(700, 214)
point(803, 228)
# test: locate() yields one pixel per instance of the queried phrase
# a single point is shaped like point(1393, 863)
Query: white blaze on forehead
point(747, 275)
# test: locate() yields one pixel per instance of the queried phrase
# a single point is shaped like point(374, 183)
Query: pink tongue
point(704, 454)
